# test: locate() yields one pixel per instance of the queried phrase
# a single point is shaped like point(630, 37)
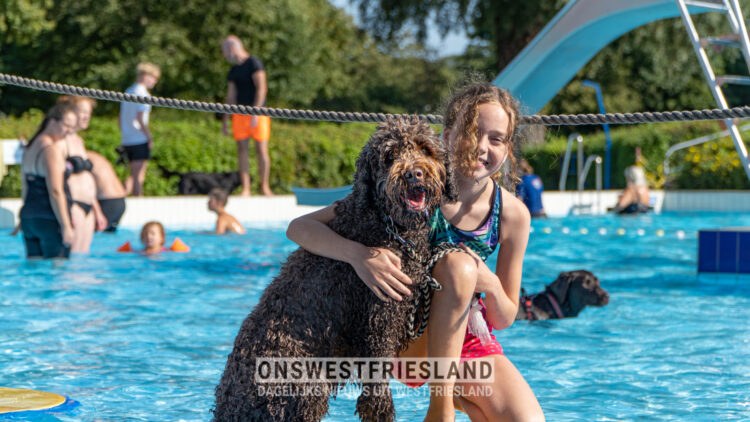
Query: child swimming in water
point(217, 200)
point(153, 239)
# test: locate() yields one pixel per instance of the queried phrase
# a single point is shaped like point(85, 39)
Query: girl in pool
point(481, 131)
point(153, 239)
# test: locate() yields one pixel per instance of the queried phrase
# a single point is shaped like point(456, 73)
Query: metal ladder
point(732, 9)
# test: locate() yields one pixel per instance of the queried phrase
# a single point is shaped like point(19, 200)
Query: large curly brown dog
point(318, 307)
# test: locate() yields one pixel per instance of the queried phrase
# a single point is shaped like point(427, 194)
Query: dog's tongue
point(416, 199)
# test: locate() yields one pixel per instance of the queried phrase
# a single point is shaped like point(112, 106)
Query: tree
point(313, 52)
point(504, 26)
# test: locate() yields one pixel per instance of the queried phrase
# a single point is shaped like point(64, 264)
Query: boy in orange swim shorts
point(247, 86)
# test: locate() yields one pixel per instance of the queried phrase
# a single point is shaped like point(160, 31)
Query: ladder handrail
point(566, 161)
point(740, 29)
point(734, 14)
point(697, 141)
point(582, 175)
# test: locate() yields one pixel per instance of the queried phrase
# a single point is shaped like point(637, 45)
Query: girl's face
point(153, 238)
point(84, 110)
point(493, 123)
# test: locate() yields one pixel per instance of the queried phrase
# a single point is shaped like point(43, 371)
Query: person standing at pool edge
point(481, 132)
point(530, 190)
point(45, 214)
point(136, 138)
point(247, 86)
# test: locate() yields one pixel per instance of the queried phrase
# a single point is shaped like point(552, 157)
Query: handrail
point(585, 172)
point(566, 161)
point(686, 144)
point(582, 178)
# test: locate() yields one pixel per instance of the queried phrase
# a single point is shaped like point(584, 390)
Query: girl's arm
point(502, 288)
point(54, 163)
point(379, 268)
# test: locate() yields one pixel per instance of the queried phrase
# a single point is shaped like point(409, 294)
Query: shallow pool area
point(146, 338)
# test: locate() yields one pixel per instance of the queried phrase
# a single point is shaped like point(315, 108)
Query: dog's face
point(407, 170)
point(579, 289)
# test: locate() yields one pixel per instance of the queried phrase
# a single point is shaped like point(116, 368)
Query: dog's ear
point(561, 286)
point(364, 176)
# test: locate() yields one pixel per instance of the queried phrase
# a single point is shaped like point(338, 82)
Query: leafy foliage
point(506, 26)
point(312, 51)
point(712, 166)
point(302, 154)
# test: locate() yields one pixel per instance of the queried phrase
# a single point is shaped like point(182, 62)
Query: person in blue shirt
point(530, 190)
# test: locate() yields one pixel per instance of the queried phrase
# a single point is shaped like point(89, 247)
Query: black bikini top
point(79, 164)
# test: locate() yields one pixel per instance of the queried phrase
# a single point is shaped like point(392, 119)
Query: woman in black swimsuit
point(45, 215)
point(85, 213)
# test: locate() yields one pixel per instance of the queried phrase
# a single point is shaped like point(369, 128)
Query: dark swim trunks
point(113, 209)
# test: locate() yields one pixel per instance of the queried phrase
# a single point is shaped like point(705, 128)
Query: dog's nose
point(414, 174)
point(604, 299)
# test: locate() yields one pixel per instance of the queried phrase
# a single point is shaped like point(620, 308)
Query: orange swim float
point(177, 246)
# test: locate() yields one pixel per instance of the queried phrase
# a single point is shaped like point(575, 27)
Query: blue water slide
point(579, 31)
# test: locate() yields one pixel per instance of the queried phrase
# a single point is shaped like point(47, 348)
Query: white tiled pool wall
point(192, 211)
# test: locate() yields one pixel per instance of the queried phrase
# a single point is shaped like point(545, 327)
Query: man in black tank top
point(247, 86)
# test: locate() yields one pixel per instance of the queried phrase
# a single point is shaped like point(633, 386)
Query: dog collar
point(554, 304)
point(407, 245)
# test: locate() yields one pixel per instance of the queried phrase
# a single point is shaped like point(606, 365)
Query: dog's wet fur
point(318, 307)
point(573, 291)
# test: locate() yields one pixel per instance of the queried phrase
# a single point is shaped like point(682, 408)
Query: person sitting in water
point(217, 200)
point(109, 190)
point(153, 238)
point(530, 190)
point(635, 198)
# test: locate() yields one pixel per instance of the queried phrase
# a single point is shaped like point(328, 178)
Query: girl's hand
point(487, 281)
point(381, 272)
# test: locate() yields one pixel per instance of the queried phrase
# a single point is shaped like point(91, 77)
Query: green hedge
point(714, 165)
point(302, 154)
point(323, 154)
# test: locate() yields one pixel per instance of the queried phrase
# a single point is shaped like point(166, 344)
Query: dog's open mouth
point(416, 198)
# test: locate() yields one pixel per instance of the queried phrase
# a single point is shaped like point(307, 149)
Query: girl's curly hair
point(461, 117)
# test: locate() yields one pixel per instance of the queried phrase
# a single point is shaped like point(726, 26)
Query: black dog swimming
point(563, 298)
point(319, 308)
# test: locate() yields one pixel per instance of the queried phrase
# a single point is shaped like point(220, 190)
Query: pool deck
point(192, 211)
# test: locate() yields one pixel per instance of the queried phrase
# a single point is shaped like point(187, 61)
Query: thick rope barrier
point(338, 116)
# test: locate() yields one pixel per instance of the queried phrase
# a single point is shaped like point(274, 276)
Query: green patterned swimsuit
point(483, 240)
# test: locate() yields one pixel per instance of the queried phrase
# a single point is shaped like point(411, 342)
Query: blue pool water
point(139, 338)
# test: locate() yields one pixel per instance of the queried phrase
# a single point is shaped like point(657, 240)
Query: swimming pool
point(147, 338)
